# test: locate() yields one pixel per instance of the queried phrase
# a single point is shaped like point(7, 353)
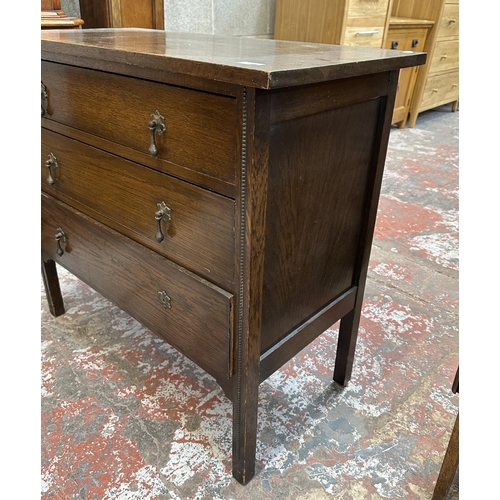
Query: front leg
point(52, 288)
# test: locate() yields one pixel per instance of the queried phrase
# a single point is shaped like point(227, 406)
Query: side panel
point(321, 168)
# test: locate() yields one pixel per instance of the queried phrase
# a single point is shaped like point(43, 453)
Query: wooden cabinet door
point(122, 13)
point(405, 39)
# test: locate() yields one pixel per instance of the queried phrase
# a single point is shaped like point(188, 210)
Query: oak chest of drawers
point(222, 191)
point(361, 23)
point(438, 81)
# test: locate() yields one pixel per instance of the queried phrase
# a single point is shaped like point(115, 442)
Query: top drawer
point(200, 128)
point(449, 21)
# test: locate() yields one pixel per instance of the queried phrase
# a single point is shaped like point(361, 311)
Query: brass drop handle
point(453, 20)
point(156, 125)
point(51, 164)
point(163, 213)
point(164, 299)
point(44, 100)
point(61, 240)
point(444, 56)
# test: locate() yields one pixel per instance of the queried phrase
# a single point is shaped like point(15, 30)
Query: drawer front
point(440, 89)
point(191, 314)
point(364, 36)
point(125, 196)
point(445, 56)
point(200, 128)
point(370, 11)
point(449, 21)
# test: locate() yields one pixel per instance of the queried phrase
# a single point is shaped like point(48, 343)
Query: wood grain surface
point(199, 323)
point(124, 195)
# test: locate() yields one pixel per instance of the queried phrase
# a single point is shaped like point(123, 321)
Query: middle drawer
point(196, 227)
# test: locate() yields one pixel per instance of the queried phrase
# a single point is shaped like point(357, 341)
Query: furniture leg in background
point(53, 17)
point(449, 466)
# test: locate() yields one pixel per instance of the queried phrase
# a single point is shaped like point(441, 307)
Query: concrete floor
point(124, 416)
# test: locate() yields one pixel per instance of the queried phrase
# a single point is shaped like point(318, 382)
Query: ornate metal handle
point(157, 124)
point(164, 299)
point(61, 240)
point(163, 213)
point(51, 163)
point(44, 100)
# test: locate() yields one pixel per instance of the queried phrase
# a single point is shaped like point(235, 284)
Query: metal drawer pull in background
point(367, 32)
point(51, 163)
point(44, 100)
point(163, 213)
point(164, 299)
point(156, 125)
point(61, 240)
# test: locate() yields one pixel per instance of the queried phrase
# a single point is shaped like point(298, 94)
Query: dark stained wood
point(294, 135)
point(454, 387)
point(348, 331)
point(449, 466)
point(305, 100)
point(52, 288)
point(200, 235)
point(319, 171)
point(96, 13)
point(304, 334)
point(255, 62)
point(119, 109)
point(253, 197)
point(198, 323)
point(198, 178)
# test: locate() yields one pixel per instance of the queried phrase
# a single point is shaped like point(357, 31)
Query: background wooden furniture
point(344, 22)
point(53, 17)
point(449, 466)
point(122, 13)
point(437, 81)
point(406, 34)
point(221, 191)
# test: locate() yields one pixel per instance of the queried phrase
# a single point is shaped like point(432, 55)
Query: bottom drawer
point(440, 89)
point(192, 314)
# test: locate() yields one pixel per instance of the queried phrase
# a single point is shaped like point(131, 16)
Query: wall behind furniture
point(71, 8)
point(218, 17)
point(221, 17)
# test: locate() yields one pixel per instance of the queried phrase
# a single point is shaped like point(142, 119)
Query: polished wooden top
point(252, 62)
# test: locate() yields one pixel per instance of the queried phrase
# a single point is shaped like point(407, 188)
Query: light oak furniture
point(53, 17)
point(406, 34)
point(223, 191)
point(343, 22)
point(122, 13)
point(437, 81)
